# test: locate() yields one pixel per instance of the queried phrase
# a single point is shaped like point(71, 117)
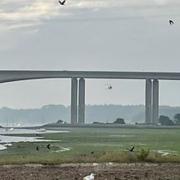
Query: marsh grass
point(143, 154)
point(98, 145)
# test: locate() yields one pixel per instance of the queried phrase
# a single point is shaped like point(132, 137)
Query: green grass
point(97, 145)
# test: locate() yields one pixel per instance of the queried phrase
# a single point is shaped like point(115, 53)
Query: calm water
point(6, 140)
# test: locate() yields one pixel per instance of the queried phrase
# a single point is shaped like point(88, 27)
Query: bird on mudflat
point(89, 177)
point(132, 149)
point(48, 146)
point(62, 2)
point(37, 148)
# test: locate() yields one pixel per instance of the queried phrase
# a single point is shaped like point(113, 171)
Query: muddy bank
point(109, 171)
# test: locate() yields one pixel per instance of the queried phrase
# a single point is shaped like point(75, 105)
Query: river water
point(7, 138)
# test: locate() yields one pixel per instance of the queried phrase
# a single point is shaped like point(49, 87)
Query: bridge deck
point(17, 75)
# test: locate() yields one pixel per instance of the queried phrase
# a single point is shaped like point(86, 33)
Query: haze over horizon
point(94, 113)
point(122, 35)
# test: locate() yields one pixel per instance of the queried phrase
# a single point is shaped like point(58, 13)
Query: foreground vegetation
point(98, 145)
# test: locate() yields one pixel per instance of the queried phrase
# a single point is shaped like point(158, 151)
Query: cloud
point(120, 3)
point(26, 14)
point(29, 13)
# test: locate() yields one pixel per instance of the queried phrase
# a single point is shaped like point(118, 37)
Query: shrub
point(119, 121)
point(165, 121)
point(177, 119)
point(144, 153)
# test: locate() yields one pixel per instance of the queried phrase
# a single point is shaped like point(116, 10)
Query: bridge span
point(78, 87)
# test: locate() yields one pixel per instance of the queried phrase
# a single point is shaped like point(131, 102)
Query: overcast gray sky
point(121, 35)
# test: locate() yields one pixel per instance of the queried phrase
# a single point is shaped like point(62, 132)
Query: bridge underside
point(78, 87)
point(16, 75)
point(78, 101)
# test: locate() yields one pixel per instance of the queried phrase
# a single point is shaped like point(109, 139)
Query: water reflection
point(29, 131)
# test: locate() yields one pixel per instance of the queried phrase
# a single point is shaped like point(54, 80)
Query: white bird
point(89, 177)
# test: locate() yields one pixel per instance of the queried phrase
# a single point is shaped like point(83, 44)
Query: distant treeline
point(94, 113)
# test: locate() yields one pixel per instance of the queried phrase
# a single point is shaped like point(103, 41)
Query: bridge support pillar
point(81, 110)
point(74, 86)
point(148, 101)
point(155, 101)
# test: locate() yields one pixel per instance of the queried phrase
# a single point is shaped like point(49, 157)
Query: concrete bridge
point(78, 93)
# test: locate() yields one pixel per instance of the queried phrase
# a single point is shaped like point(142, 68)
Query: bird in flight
point(108, 86)
point(62, 2)
point(171, 22)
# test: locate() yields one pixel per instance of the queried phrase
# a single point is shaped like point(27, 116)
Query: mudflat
point(103, 171)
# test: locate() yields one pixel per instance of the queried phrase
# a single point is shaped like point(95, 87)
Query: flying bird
point(171, 22)
point(109, 86)
point(62, 2)
point(132, 149)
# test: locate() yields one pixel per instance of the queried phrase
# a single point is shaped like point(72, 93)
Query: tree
point(165, 121)
point(119, 121)
point(177, 119)
point(97, 122)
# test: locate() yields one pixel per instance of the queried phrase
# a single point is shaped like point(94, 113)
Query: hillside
point(100, 113)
